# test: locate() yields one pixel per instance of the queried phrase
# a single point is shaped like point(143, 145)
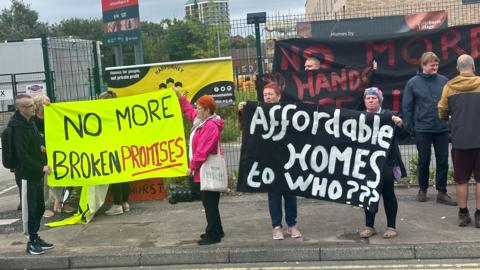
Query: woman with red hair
point(204, 141)
point(272, 93)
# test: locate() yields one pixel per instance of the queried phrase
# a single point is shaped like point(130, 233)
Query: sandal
point(367, 232)
point(390, 233)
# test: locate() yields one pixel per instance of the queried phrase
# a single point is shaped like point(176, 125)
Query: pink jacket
point(205, 140)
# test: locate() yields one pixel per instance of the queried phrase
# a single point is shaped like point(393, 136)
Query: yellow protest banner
point(194, 78)
point(115, 140)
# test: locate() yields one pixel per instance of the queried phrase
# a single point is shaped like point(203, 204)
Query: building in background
point(208, 11)
point(459, 12)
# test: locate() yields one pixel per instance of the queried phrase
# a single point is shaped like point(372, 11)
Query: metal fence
point(75, 66)
point(243, 51)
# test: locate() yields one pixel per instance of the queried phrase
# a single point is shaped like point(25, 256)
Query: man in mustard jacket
point(460, 100)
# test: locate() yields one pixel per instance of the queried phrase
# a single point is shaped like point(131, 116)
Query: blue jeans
point(275, 208)
point(424, 143)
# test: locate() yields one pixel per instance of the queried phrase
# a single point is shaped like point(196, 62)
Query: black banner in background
point(362, 28)
point(397, 57)
point(342, 88)
point(314, 151)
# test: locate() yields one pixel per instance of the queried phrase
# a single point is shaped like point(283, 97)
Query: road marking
point(8, 221)
point(7, 189)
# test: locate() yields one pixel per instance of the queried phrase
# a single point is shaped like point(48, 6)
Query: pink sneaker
point(277, 233)
point(294, 232)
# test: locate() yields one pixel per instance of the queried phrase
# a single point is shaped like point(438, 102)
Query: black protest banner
point(314, 151)
point(342, 88)
point(397, 56)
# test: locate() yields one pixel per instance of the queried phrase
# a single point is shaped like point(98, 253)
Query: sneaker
point(126, 207)
point(464, 219)
point(422, 195)
point(277, 233)
point(116, 209)
point(294, 232)
point(477, 219)
point(442, 197)
point(34, 249)
point(44, 245)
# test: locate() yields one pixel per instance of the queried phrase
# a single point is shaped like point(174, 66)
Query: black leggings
point(389, 201)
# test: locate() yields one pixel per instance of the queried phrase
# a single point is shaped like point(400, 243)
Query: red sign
point(144, 190)
point(116, 4)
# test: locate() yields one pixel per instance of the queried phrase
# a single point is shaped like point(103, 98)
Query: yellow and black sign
point(194, 78)
point(115, 140)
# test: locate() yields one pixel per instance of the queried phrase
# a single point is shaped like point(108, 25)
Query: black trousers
point(389, 200)
point(18, 181)
point(33, 206)
point(210, 201)
point(424, 143)
point(120, 192)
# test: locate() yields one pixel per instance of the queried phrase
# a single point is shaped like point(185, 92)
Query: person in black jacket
point(30, 166)
point(393, 169)
point(420, 97)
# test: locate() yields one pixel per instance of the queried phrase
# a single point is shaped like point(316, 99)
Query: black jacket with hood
point(28, 154)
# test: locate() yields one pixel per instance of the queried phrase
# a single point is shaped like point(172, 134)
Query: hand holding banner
point(314, 151)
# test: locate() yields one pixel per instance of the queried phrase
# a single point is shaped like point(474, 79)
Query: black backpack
point(8, 149)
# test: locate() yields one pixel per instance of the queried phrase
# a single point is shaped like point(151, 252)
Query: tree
point(19, 22)
point(90, 29)
point(154, 42)
point(185, 40)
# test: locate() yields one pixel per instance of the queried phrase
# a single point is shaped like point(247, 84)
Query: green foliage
point(90, 29)
point(238, 42)
point(413, 172)
point(231, 130)
point(19, 22)
point(169, 40)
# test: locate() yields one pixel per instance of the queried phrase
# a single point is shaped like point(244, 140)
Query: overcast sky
point(53, 11)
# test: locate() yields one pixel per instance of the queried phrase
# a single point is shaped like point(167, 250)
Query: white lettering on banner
point(355, 187)
point(345, 156)
point(316, 119)
point(268, 176)
point(314, 158)
point(273, 123)
point(306, 121)
point(258, 119)
point(253, 172)
point(374, 166)
point(331, 159)
point(359, 163)
point(336, 169)
point(285, 122)
point(353, 129)
point(331, 126)
point(299, 183)
point(293, 156)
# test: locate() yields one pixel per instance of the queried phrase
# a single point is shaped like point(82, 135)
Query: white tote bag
point(213, 173)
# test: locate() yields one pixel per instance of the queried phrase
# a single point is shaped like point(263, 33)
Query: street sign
point(121, 21)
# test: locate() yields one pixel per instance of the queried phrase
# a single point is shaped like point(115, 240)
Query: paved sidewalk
point(158, 233)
